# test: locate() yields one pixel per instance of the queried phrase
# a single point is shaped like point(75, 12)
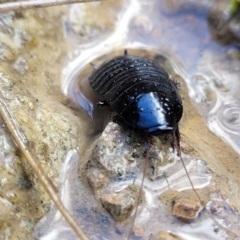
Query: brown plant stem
point(22, 5)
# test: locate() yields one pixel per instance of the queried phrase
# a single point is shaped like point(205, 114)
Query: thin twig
point(22, 142)
point(4, 7)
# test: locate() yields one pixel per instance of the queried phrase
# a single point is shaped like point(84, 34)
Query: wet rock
point(165, 236)
point(142, 24)
point(186, 206)
point(220, 206)
point(113, 163)
point(97, 180)
point(224, 28)
point(138, 231)
point(121, 204)
point(160, 154)
point(17, 196)
point(52, 129)
point(79, 22)
point(118, 150)
point(233, 53)
point(53, 137)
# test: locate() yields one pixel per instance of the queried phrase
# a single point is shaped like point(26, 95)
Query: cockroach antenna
point(141, 187)
point(177, 147)
point(11, 6)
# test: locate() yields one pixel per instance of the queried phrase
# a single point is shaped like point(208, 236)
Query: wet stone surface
point(118, 150)
point(186, 206)
point(121, 204)
point(118, 159)
point(165, 236)
point(77, 20)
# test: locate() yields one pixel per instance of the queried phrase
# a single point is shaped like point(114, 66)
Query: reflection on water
point(180, 34)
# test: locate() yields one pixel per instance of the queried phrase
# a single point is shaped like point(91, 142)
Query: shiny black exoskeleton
point(140, 92)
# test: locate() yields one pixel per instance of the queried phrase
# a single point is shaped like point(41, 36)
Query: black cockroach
point(140, 92)
point(143, 96)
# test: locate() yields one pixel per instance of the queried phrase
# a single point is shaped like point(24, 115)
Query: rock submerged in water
point(162, 235)
point(182, 204)
point(117, 160)
point(121, 204)
point(186, 206)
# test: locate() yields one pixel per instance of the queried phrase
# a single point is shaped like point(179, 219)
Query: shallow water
point(176, 35)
